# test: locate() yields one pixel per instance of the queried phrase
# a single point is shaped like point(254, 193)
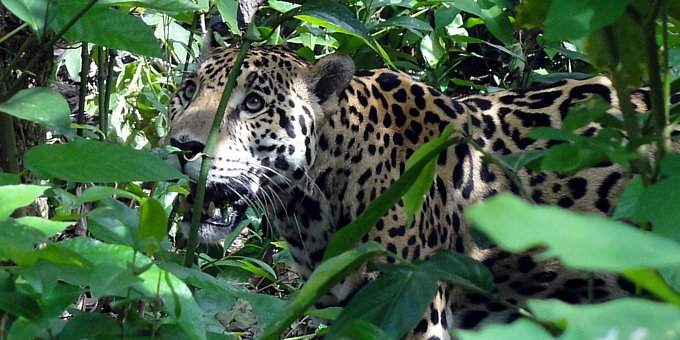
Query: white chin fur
point(207, 233)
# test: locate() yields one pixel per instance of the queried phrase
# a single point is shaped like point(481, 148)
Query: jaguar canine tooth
point(211, 210)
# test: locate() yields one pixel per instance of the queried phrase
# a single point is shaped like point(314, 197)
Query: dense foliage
point(127, 277)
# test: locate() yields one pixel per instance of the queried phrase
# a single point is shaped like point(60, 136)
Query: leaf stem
point(84, 71)
point(196, 211)
point(14, 31)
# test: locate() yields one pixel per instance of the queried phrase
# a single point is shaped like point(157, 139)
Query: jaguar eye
point(254, 103)
point(189, 89)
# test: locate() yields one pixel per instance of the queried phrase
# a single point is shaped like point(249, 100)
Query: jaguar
point(311, 144)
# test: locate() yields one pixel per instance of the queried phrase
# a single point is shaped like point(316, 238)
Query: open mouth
point(220, 210)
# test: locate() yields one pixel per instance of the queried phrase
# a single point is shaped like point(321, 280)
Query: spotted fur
point(325, 143)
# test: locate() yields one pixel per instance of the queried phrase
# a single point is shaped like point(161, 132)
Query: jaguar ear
point(328, 78)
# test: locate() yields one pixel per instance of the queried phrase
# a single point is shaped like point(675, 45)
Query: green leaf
point(33, 12)
point(107, 27)
point(109, 279)
point(497, 21)
point(228, 10)
point(432, 49)
point(91, 161)
point(517, 226)
point(532, 13)
point(519, 330)
point(405, 22)
point(323, 278)
point(574, 19)
point(267, 308)
point(626, 318)
point(17, 239)
point(348, 236)
point(333, 15)
point(98, 193)
point(98, 325)
point(629, 200)
point(114, 222)
point(627, 38)
point(162, 5)
point(9, 179)
point(153, 223)
point(19, 304)
point(394, 302)
point(13, 197)
point(584, 113)
point(653, 282)
point(159, 286)
point(459, 269)
point(47, 227)
point(358, 329)
point(415, 195)
point(654, 204)
point(43, 106)
point(517, 161)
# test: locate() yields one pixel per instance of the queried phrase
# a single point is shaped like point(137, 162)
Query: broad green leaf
point(473, 40)
point(415, 195)
point(470, 6)
point(431, 49)
point(532, 13)
point(98, 193)
point(348, 236)
point(13, 197)
point(394, 302)
point(516, 161)
point(323, 278)
point(584, 113)
point(333, 15)
point(98, 325)
point(358, 329)
point(153, 223)
point(627, 38)
point(228, 10)
point(43, 106)
point(47, 227)
point(517, 226)
point(267, 308)
point(19, 304)
point(107, 27)
point(497, 21)
point(9, 179)
point(170, 293)
point(109, 279)
point(574, 19)
point(405, 22)
point(521, 329)
point(655, 205)
point(458, 269)
point(114, 222)
point(626, 318)
point(53, 253)
point(629, 200)
point(162, 5)
point(653, 282)
point(91, 161)
point(17, 239)
point(33, 12)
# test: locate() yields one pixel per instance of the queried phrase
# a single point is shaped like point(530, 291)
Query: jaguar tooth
point(211, 209)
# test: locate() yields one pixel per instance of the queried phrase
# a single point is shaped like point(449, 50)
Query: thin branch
point(84, 72)
point(196, 211)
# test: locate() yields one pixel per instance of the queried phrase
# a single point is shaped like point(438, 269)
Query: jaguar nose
point(192, 148)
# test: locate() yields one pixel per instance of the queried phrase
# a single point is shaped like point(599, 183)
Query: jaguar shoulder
point(312, 144)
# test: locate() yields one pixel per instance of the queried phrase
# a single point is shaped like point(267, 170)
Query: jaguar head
point(266, 141)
